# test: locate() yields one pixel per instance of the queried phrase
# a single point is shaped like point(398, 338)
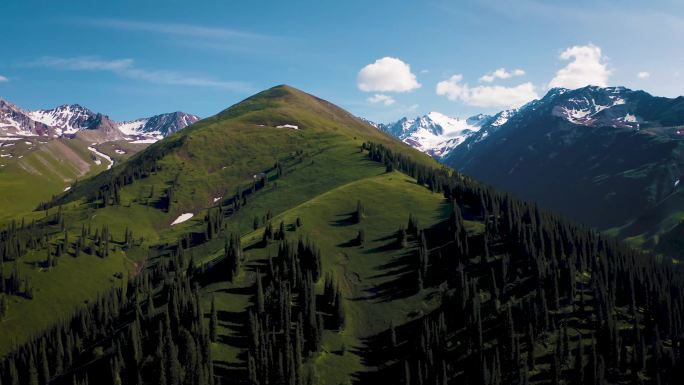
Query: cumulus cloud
point(643, 75)
point(3, 79)
point(486, 96)
point(387, 74)
point(126, 68)
point(381, 98)
point(501, 73)
point(587, 67)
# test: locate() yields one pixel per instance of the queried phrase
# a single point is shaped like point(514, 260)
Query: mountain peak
point(556, 91)
point(158, 126)
point(286, 106)
point(433, 133)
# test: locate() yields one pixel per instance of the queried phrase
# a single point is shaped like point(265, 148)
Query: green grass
point(57, 291)
point(39, 171)
point(388, 200)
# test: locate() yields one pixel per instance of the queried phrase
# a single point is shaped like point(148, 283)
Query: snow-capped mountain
point(74, 120)
point(603, 156)
point(15, 122)
point(616, 107)
point(67, 118)
point(595, 106)
point(158, 126)
point(434, 133)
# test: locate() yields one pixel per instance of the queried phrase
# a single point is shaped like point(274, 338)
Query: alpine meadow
point(532, 233)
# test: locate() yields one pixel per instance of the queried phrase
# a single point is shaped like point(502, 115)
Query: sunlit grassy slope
point(33, 170)
point(370, 275)
point(207, 162)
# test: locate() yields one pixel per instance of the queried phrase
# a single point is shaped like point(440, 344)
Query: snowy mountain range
point(437, 134)
point(73, 120)
point(616, 107)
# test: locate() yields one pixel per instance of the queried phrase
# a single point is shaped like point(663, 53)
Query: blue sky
point(381, 59)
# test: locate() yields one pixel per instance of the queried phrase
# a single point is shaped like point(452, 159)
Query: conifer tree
point(359, 212)
point(401, 237)
point(213, 321)
point(361, 237)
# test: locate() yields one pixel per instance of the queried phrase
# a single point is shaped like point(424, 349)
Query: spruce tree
point(32, 372)
point(401, 238)
point(360, 237)
point(213, 321)
point(359, 212)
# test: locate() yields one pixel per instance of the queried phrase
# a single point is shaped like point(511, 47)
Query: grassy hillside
point(206, 164)
point(360, 270)
point(33, 170)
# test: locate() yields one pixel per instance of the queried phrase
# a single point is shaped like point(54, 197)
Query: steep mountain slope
point(15, 122)
point(286, 241)
point(603, 156)
point(32, 170)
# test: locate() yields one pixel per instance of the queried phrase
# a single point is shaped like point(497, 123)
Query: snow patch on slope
point(292, 126)
point(133, 127)
point(182, 218)
point(106, 157)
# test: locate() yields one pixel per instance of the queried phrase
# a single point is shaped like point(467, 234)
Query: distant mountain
point(610, 157)
point(434, 133)
point(14, 121)
point(437, 134)
point(604, 156)
point(159, 126)
point(75, 120)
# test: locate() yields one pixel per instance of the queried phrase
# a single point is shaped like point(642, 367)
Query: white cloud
point(126, 68)
point(501, 73)
point(643, 75)
point(588, 67)
point(3, 79)
point(178, 29)
point(380, 98)
point(452, 88)
point(83, 64)
point(486, 96)
point(387, 75)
